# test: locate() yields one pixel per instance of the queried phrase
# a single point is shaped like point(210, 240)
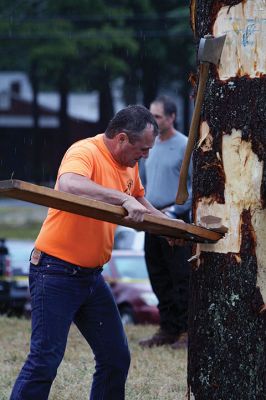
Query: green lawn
point(155, 374)
point(20, 222)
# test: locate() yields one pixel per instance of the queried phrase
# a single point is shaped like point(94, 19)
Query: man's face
point(130, 154)
point(165, 122)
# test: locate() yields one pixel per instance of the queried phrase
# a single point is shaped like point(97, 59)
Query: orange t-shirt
point(81, 240)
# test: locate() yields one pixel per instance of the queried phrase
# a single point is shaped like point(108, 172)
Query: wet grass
point(21, 222)
point(155, 374)
point(27, 231)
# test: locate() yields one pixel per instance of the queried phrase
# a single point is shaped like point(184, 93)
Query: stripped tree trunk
point(227, 322)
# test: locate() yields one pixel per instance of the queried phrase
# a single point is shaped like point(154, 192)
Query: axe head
point(210, 49)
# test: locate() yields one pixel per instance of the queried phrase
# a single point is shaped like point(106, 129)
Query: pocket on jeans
point(57, 273)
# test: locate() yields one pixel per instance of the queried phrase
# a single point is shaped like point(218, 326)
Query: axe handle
point(182, 193)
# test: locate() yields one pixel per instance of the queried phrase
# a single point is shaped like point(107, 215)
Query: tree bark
point(106, 108)
point(63, 86)
point(37, 160)
point(227, 321)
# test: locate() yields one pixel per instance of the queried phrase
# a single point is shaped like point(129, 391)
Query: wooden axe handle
point(182, 193)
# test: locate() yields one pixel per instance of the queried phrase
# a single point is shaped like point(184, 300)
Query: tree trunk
point(37, 145)
point(150, 79)
point(106, 108)
point(63, 85)
point(227, 335)
point(131, 84)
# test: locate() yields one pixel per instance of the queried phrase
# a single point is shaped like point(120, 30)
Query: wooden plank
point(103, 211)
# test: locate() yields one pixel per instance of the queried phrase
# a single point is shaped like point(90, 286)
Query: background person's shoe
point(159, 339)
point(181, 342)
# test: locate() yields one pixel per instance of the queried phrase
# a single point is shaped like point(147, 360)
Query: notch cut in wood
point(213, 222)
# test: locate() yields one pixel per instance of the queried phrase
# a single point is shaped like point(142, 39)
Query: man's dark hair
point(132, 120)
point(169, 106)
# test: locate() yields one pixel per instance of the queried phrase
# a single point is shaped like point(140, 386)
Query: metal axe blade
point(210, 50)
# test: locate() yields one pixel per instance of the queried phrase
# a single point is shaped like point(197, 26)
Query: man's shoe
point(181, 342)
point(158, 339)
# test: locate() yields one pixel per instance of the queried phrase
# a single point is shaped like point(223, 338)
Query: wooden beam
point(103, 211)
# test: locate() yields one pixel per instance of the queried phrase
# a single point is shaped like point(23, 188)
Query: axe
point(210, 50)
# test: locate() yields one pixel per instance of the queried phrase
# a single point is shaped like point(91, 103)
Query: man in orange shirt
point(66, 284)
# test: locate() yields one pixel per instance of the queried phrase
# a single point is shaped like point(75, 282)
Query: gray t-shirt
point(160, 173)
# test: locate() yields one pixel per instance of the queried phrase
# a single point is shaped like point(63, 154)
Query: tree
point(87, 45)
point(67, 46)
point(227, 335)
point(102, 38)
point(165, 51)
point(64, 46)
point(73, 46)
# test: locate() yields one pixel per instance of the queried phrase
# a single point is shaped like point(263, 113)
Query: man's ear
point(122, 138)
point(173, 117)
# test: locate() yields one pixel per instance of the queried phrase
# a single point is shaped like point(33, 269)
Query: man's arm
point(154, 210)
point(83, 186)
point(150, 207)
point(136, 207)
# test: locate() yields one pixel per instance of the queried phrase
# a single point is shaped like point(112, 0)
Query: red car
point(127, 276)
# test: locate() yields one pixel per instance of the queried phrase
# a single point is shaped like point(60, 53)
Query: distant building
point(32, 142)
point(32, 151)
point(16, 97)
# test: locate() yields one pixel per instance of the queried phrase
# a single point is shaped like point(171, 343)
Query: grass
point(29, 231)
point(155, 374)
point(21, 222)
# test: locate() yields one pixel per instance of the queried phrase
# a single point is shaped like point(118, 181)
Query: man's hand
point(135, 209)
point(177, 242)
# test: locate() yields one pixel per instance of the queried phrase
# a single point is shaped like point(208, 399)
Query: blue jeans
point(62, 293)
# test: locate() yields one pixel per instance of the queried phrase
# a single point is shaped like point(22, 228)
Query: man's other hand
point(135, 209)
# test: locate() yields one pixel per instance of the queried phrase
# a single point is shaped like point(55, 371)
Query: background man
point(65, 273)
point(167, 266)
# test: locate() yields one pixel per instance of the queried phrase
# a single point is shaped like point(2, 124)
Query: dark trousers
point(62, 293)
point(168, 271)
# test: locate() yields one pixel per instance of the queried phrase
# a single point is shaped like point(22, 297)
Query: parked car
point(127, 276)
point(5, 275)
point(128, 238)
point(14, 264)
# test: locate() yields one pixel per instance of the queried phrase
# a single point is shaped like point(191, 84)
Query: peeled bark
point(227, 335)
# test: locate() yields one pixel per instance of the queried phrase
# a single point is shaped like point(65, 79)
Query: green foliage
point(145, 42)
